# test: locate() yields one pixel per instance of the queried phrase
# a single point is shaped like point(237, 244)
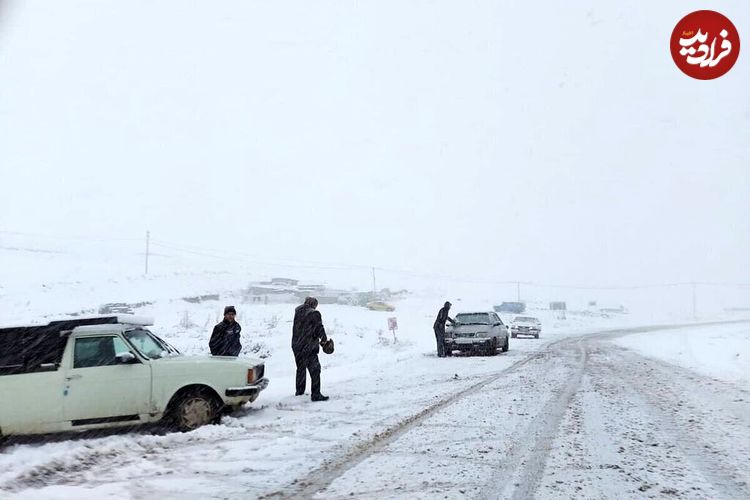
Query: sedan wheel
point(492, 349)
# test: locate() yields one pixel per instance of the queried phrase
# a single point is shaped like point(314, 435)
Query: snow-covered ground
point(722, 353)
point(377, 384)
point(397, 413)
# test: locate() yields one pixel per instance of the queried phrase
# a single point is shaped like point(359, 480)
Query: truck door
point(98, 389)
point(31, 402)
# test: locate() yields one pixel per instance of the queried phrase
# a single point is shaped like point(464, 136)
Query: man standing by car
point(439, 328)
point(307, 335)
point(225, 339)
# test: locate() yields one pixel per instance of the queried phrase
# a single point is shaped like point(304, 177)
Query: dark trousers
point(307, 361)
point(440, 338)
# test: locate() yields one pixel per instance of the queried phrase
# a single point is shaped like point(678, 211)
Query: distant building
point(618, 310)
point(266, 290)
point(284, 281)
point(115, 308)
point(286, 290)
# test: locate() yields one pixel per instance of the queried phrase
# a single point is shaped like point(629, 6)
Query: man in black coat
point(439, 328)
point(307, 334)
point(225, 339)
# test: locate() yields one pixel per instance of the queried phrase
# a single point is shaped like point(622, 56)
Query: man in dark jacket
point(225, 339)
point(439, 328)
point(307, 334)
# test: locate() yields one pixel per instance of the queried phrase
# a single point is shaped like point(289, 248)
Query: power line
point(235, 256)
point(69, 236)
point(148, 237)
point(301, 264)
point(247, 258)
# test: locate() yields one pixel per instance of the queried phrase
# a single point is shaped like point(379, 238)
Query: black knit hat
point(230, 309)
point(327, 346)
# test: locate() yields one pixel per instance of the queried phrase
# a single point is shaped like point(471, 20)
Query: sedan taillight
point(250, 376)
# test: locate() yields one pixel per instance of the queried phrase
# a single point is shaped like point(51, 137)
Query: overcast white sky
point(519, 140)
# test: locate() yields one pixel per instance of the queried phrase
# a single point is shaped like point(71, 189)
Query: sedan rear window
point(473, 319)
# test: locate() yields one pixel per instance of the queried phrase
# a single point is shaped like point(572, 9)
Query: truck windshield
point(148, 344)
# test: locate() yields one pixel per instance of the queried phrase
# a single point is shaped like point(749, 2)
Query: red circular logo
point(705, 44)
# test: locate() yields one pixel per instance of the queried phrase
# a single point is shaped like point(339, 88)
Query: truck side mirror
point(125, 358)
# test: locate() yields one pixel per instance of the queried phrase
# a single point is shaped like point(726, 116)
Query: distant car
point(525, 325)
point(511, 307)
point(380, 306)
point(477, 331)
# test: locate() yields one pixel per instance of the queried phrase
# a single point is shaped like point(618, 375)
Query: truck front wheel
point(195, 409)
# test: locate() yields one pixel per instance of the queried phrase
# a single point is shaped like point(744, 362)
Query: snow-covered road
point(582, 418)
point(577, 417)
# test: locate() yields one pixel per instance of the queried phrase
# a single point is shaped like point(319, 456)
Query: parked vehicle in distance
point(477, 331)
point(511, 307)
point(100, 372)
point(380, 306)
point(525, 325)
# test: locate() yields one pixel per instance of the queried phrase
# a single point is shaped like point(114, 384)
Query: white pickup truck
point(99, 372)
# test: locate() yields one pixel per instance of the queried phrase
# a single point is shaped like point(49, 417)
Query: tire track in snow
point(96, 456)
point(320, 478)
point(521, 469)
point(639, 423)
point(129, 448)
point(697, 431)
point(552, 415)
point(613, 446)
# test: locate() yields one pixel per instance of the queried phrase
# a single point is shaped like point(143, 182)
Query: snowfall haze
point(502, 140)
point(384, 156)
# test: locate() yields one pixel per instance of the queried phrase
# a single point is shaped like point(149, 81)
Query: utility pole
point(148, 237)
point(518, 291)
point(374, 287)
point(695, 315)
